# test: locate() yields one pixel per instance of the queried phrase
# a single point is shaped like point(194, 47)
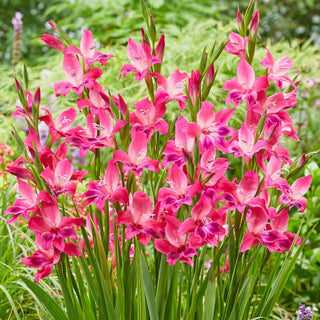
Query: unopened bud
point(37, 98)
point(17, 84)
point(254, 27)
point(203, 61)
point(210, 75)
point(240, 19)
point(194, 86)
point(302, 161)
point(153, 29)
point(160, 47)
point(53, 26)
point(53, 42)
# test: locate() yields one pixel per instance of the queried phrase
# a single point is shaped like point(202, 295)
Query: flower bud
point(153, 29)
point(254, 26)
point(194, 86)
point(37, 98)
point(52, 42)
point(210, 75)
point(240, 19)
point(160, 47)
point(17, 84)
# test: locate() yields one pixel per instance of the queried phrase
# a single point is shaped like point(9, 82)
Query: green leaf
point(13, 307)
point(148, 288)
point(210, 297)
point(55, 310)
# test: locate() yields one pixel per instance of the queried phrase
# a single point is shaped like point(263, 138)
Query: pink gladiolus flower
point(43, 259)
point(245, 146)
point(277, 70)
point(136, 159)
point(88, 139)
point(97, 100)
point(136, 218)
point(76, 79)
point(237, 45)
point(272, 235)
point(53, 42)
point(211, 127)
point(148, 117)
point(210, 166)
point(23, 206)
point(51, 228)
point(242, 195)
point(32, 143)
point(293, 195)
point(175, 247)
point(181, 149)
point(141, 60)
point(179, 192)
point(20, 112)
point(246, 86)
point(17, 169)
point(107, 190)
point(88, 52)
point(60, 127)
point(171, 89)
point(202, 223)
point(59, 180)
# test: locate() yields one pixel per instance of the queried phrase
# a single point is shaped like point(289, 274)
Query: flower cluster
point(304, 312)
point(165, 182)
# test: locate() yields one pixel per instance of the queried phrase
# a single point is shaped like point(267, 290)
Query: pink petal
point(138, 148)
point(87, 44)
point(280, 222)
point(248, 186)
point(72, 69)
point(178, 180)
point(201, 209)
point(257, 220)
point(26, 191)
point(301, 186)
point(63, 172)
point(245, 74)
point(187, 226)
point(205, 116)
point(65, 119)
point(71, 249)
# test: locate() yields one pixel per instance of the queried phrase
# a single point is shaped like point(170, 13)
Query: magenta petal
point(257, 220)
point(187, 226)
point(280, 222)
point(301, 185)
point(71, 249)
point(245, 74)
point(72, 69)
point(248, 241)
point(87, 44)
point(162, 127)
point(248, 186)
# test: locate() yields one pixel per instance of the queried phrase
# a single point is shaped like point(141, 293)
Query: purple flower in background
point(17, 26)
point(304, 313)
point(17, 21)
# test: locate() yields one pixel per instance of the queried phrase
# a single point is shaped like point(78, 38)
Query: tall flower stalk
point(17, 26)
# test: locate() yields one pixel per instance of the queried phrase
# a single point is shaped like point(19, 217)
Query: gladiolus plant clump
point(156, 225)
